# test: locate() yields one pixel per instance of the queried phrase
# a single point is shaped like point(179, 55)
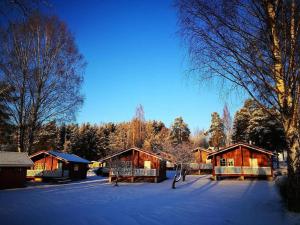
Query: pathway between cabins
point(196, 201)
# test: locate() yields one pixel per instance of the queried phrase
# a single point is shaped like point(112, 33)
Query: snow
point(68, 157)
point(196, 201)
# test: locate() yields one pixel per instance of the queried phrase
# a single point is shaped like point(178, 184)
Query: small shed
point(136, 165)
point(200, 163)
point(200, 155)
point(55, 164)
point(242, 160)
point(13, 166)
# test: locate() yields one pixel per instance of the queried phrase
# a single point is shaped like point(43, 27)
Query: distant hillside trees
point(41, 64)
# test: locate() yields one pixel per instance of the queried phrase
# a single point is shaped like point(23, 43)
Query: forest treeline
point(94, 141)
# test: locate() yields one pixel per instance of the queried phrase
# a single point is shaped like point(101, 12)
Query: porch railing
point(228, 170)
point(135, 172)
point(47, 173)
point(262, 171)
point(257, 170)
point(201, 166)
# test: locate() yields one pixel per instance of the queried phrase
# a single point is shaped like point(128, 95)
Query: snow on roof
point(240, 144)
point(202, 149)
point(18, 159)
point(68, 157)
point(137, 149)
point(62, 155)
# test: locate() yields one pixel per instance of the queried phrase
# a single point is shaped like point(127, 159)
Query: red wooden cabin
point(13, 166)
point(55, 164)
point(242, 160)
point(136, 165)
point(201, 164)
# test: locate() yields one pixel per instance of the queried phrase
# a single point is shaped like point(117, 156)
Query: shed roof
point(64, 156)
point(240, 144)
point(15, 159)
point(201, 149)
point(137, 149)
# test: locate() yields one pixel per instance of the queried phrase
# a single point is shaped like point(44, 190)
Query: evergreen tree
point(6, 127)
point(179, 131)
point(46, 137)
point(266, 131)
point(241, 121)
point(216, 131)
point(253, 124)
point(240, 126)
point(61, 137)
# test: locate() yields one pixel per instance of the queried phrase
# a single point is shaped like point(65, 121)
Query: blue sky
point(135, 56)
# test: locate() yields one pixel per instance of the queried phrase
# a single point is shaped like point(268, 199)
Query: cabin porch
point(242, 171)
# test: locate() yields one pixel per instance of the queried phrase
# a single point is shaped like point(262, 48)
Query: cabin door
point(147, 164)
point(253, 162)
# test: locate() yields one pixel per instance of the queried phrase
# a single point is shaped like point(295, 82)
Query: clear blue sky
point(135, 56)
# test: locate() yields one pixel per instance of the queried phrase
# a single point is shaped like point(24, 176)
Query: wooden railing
point(145, 172)
point(228, 170)
point(134, 172)
point(262, 171)
point(47, 173)
point(201, 166)
point(257, 170)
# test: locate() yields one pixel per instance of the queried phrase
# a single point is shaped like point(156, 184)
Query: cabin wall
point(242, 158)
point(77, 170)
point(141, 157)
point(200, 156)
point(12, 177)
point(51, 163)
point(138, 159)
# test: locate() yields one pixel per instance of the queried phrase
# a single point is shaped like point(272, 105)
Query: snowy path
point(197, 201)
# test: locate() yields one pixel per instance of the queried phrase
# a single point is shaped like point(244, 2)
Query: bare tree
point(182, 157)
point(41, 63)
point(137, 127)
point(254, 45)
point(118, 168)
point(227, 121)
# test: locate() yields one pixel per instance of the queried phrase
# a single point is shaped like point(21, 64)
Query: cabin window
point(59, 165)
point(253, 162)
point(147, 164)
point(76, 167)
point(230, 162)
point(222, 162)
point(38, 166)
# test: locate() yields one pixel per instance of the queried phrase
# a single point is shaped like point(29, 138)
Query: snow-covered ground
point(196, 201)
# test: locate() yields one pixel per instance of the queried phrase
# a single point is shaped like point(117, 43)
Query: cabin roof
point(240, 144)
point(63, 156)
point(127, 150)
point(201, 149)
point(15, 159)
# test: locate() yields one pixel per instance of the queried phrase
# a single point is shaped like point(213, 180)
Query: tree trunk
point(293, 162)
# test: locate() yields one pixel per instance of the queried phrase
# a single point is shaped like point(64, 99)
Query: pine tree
point(6, 127)
point(266, 131)
point(241, 121)
point(216, 131)
point(240, 126)
point(46, 137)
point(179, 131)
